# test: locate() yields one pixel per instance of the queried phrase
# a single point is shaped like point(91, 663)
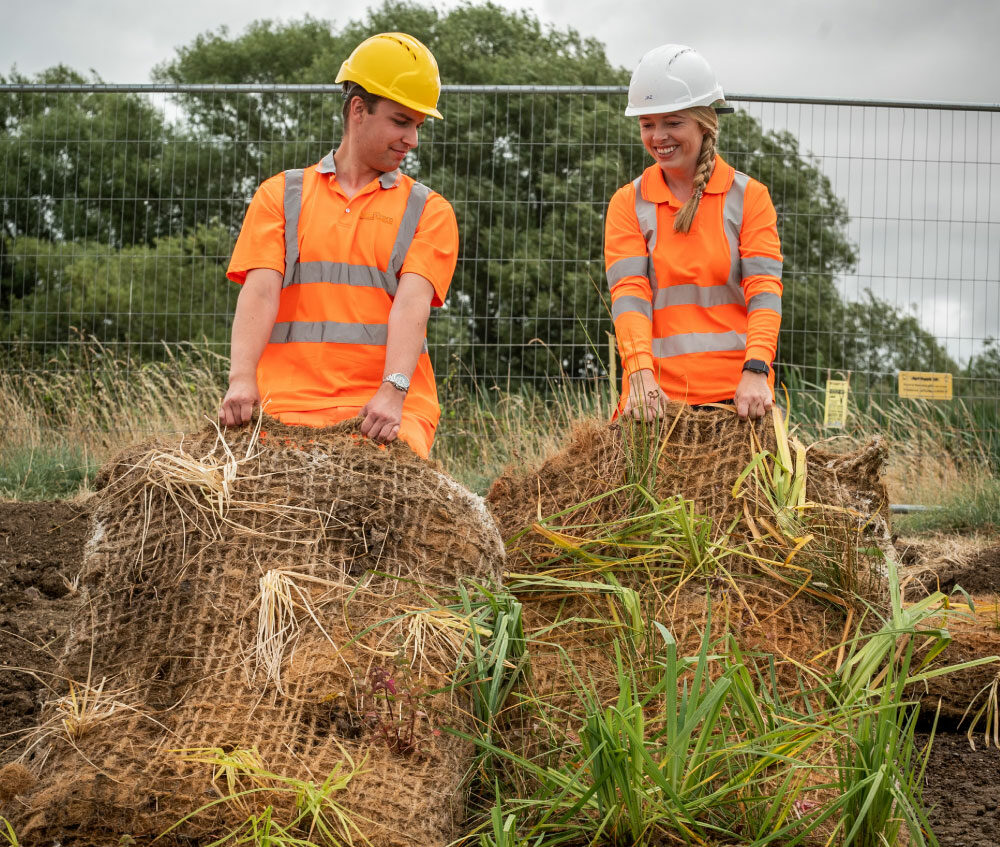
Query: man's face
point(385, 136)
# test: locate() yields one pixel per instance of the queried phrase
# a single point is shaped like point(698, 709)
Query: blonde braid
point(706, 161)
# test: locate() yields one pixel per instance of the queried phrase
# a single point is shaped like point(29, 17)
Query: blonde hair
point(708, 120)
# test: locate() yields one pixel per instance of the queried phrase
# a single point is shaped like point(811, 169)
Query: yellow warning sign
point(835, 408)
point(920, 385)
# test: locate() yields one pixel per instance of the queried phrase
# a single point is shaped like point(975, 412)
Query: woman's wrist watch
point(756, 366)
point(401, 382)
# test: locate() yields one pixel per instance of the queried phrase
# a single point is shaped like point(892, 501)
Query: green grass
point(52, 472)
point(7, 833)
point(705, 749)
point(973, 507)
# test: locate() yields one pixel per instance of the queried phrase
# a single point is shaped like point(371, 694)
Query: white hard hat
point(670, 78)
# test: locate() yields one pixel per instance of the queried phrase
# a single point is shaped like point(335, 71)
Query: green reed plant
point(666, 540)
point(502, 829)
point(710, 748)
point(499, 662)
point(655, 768)
point(879, 769)
point(8, 834)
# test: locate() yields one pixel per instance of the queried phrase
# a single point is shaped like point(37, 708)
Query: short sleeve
point(434, 251)
point(262, 239)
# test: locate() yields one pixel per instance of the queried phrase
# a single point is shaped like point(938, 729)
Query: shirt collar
point(656, 190)
point(328, 166)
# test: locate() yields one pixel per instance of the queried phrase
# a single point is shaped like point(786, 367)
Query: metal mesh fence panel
point(121, 204)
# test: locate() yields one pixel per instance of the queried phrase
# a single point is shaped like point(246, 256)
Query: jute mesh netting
point(242, 601)
point(783, 581)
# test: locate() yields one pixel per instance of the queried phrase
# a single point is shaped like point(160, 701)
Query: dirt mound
point(981, 574)
point(939, 562)
point(258, 600)
point(975, 634)
point(41, 547)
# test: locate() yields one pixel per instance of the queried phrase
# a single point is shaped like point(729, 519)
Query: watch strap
point(757, 366)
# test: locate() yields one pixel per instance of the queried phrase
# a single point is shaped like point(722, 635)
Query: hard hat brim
point(378, 90)
point(716, 98)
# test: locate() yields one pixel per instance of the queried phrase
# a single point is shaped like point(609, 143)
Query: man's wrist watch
point(401, 382)
point(756, 366)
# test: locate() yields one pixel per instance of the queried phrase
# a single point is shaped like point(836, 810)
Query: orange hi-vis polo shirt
point(693, 307)
point(341, 262)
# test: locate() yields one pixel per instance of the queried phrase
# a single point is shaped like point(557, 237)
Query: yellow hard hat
point(396, 66)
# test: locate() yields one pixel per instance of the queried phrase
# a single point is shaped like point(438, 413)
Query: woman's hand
point(753, 396)
point(645, 399)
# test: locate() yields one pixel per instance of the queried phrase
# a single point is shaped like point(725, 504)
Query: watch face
point(398, 381)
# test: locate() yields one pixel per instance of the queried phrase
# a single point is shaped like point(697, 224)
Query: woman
point(692, 254)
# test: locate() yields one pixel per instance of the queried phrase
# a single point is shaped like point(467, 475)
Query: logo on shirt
point(377, 216)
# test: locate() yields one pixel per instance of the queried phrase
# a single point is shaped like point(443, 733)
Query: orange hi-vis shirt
point(341, 261)
point(693, 307)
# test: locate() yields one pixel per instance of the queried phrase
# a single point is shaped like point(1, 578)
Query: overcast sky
point(899, 49)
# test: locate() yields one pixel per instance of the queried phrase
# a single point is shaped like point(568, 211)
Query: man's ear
point(356, 109)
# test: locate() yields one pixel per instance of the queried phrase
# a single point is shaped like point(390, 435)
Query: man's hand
point(256, 308)
point(645, 399)
point(753, 396)
point(240, 400)
point(382, 415)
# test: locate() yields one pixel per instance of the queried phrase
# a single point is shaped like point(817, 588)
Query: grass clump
point(34, 471)
point(973, 506)
point(313, 817)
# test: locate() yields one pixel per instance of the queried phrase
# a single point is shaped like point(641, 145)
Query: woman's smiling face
point(673, 140)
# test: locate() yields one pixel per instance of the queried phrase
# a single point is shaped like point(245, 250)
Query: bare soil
point(41, 549)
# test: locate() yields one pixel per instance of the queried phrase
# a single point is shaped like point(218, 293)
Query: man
point(341, 262)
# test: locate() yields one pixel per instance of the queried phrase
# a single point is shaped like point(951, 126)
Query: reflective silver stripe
point(407, 229)
point(732, 218)
point(705, 296)
point(761, 266)
point(331, 332)
point(341, 273)
point(645, 213)
point(698, 342)
point(765, 300)
point(317, 332)
point(365, 276)
point(627, 266)
point(293, 208)
point(631, 303)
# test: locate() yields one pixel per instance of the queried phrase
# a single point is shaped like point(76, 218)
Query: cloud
point(850, 48)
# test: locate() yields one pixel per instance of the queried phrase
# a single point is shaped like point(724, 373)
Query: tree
point(529, 176)
point(133, 300)
point(983, 371)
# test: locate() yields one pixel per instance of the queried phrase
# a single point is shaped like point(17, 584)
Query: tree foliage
point(91, 177)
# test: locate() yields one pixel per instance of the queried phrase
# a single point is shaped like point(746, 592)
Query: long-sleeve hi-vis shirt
point(693, 307)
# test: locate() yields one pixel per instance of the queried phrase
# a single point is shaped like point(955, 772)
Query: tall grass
point(63, 422)
point(937, 449)
point(60, 424)
point(705, 749)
